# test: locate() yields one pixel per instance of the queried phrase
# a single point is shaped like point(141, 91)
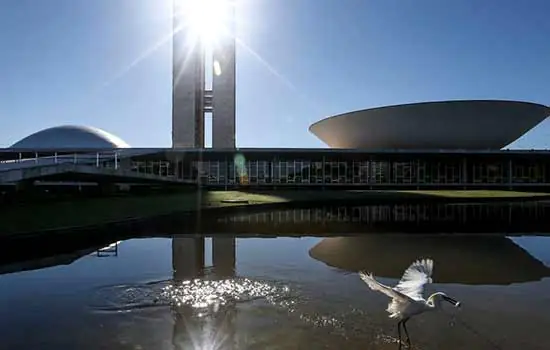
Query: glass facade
point(314, 168)
point(159, 168)
point(321, 171)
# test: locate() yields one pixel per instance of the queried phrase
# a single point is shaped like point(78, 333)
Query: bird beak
point(452, 301)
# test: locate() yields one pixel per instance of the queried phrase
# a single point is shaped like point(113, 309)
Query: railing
point(105, 159)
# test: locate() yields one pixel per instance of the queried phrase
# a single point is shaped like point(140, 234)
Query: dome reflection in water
point(481, 260)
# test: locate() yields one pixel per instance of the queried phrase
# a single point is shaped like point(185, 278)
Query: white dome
point(472, 125)
point(70, 136)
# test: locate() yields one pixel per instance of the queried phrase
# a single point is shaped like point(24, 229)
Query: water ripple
point(202, 297)
point(199, 294)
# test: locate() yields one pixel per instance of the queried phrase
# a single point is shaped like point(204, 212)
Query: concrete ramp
point(82, 172)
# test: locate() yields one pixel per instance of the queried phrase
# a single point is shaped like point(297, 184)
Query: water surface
point(276, 293)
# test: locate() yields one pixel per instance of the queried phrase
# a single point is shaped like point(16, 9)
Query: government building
point(432, 145)
point(429, 145)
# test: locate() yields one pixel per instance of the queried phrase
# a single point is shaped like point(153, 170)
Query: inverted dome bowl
point(468, 125)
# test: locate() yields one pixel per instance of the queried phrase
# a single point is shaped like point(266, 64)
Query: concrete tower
point(187, 87)
point(190, 99)
point(223, 86)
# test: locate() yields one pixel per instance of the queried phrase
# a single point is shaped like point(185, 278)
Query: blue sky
point(66, 62)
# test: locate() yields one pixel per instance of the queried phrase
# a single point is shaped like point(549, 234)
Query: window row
point(362, 172)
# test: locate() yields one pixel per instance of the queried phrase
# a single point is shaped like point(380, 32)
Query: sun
point(205, 19)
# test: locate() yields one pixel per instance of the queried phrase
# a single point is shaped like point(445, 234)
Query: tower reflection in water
point(198, 328)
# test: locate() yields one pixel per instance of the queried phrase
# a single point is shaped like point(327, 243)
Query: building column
point(464, 166)
point(510, 174)
point(417, 164)
point(324, 172)
point(226, 171)
point(177, 168)
point(390, 171)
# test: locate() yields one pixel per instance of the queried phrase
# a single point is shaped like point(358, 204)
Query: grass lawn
point(83, 212)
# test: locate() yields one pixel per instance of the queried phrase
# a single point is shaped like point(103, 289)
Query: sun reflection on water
point(219, 313)
point(211, 294)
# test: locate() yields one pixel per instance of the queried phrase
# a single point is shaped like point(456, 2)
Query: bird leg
point(399, 333)
point(407, 332)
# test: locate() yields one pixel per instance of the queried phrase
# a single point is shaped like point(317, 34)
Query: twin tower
point(191, 100)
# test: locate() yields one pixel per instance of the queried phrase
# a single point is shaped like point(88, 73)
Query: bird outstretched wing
point(415, 278)
point(377, 286)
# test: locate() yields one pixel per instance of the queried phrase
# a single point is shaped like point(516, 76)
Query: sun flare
point(206, 19)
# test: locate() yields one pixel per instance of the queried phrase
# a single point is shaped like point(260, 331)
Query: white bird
point(407, 299)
